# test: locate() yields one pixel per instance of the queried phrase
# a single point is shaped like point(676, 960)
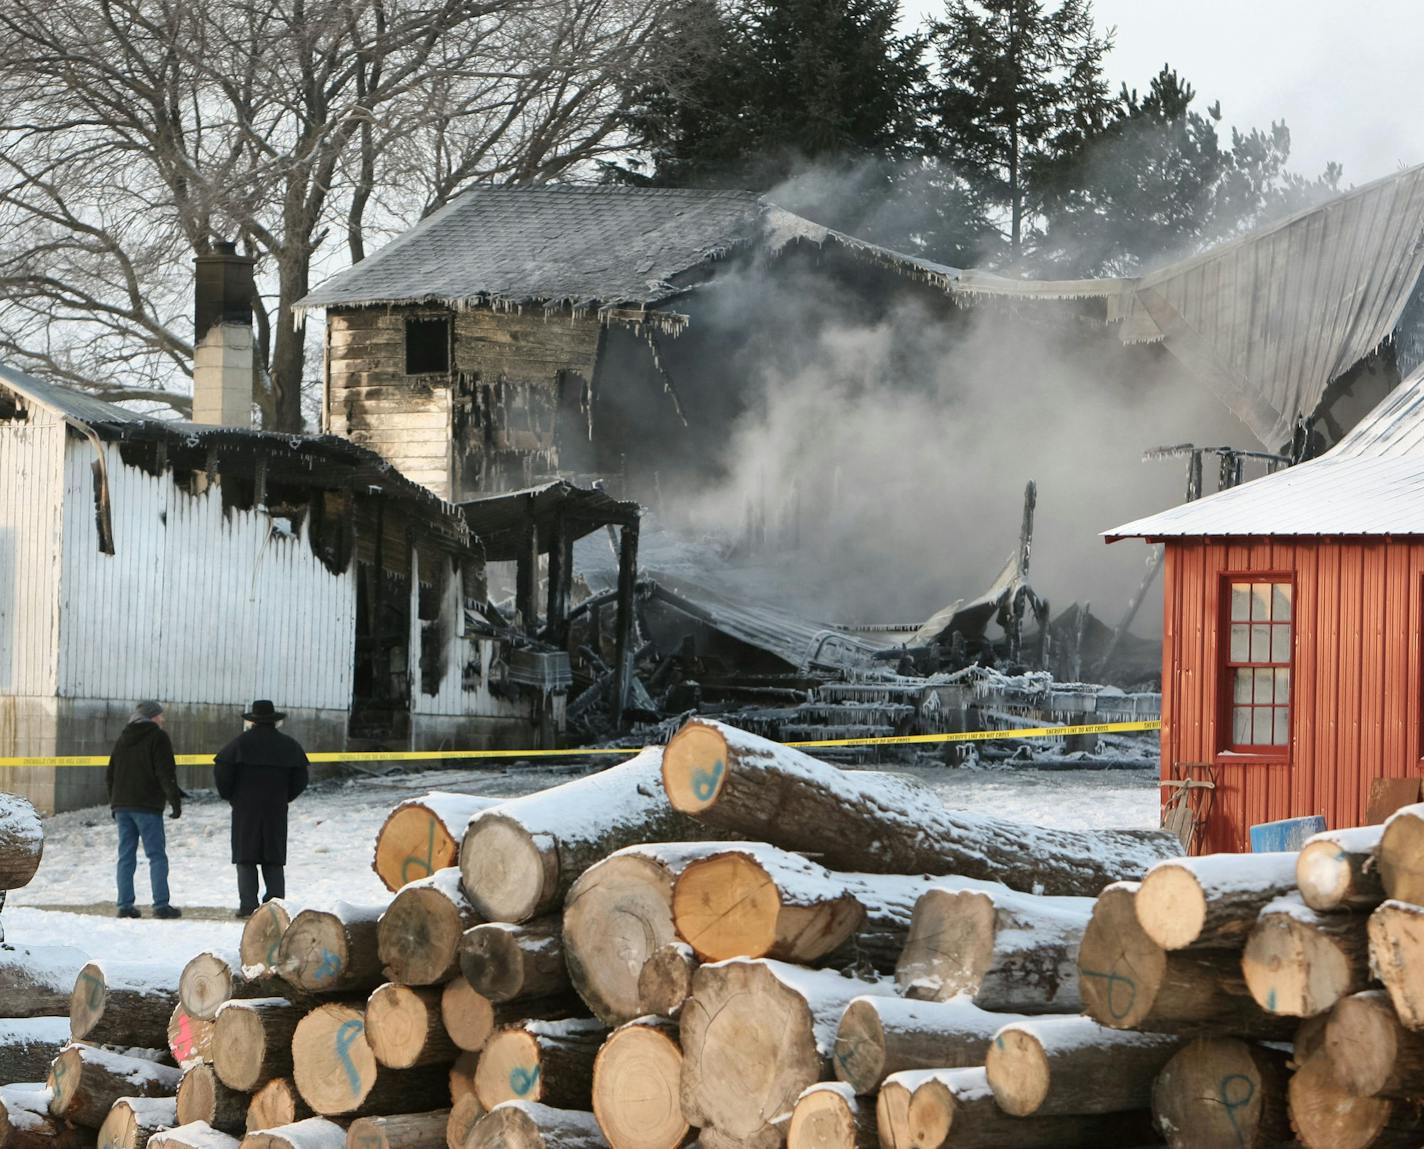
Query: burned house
point(519, 334)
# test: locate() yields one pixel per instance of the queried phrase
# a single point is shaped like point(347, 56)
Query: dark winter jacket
point(258, 773)
point(141, 774)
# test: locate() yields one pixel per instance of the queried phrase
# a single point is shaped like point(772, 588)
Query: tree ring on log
point(931, 1114)
point(860, 1047)
point(505, 871)
point(333, 1064)
point(206, 982)
point(1400, 856)
point(1171, 906)
point(1120, 968)
point(468, 1015)
point(412, 844)
point(397, 1025)
point(710, 890)
point(1323, 1113)
point(695, 767)
point(262, 936)
point(63, 1081)
point(1022, 1087)
point(636, 1077)
point(822, 1119)
point(892, 1117)
point(509, 1069)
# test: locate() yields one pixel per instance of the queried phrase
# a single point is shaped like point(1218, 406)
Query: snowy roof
point(1271, 318)
point(579, 246)
point(1370, 483)
point(65, 402)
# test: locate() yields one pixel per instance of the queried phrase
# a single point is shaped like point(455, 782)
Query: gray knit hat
point(145, 711)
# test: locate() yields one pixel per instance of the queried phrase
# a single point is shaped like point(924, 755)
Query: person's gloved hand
point(177, 811)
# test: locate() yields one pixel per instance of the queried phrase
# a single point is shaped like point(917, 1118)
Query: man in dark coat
point(141, 778)
point(258, 773)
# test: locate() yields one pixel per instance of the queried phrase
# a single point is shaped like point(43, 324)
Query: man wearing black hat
point(258, 773)
point(141, 779)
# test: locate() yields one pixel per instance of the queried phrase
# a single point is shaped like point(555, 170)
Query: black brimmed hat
point(263, 711)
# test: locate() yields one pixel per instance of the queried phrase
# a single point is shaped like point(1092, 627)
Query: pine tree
point(1019, 84)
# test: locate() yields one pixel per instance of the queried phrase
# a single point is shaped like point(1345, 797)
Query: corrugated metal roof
point(501, 521)
point(1370, 483)
point(66, 402)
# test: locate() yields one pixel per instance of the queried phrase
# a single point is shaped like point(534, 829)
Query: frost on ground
point(333, 831)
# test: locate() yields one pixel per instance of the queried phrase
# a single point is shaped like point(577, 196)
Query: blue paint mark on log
point(346, 1035)
point(522, 1080)
point(705, 782)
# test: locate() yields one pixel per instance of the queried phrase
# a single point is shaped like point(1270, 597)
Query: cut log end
point(465, 1113)
point(87, 1002)
point(262, 936)
point(860, 1047)
point(1325, 1115)
point(535, 1127)
point(892, 1118)
point(1326, 875)
point(510, 1070)
point(665, 981)
point(274, 1104)
point(1222, 1091)
point(251, 1042)
point(419, 936)
point(206, 982)
point(695, 767)
point(507, 875)
point(1370, 1051)
point(636, 1076)
point(63, 1082)
point(1019, 1072)
point(399, 1024)
point(467, 1014)
point(949, 947)
point(131, 1122)
point(1171, 906)
point(1400, 856)
point(333, 1064)
point(1294, 969)
point(1119, 967)
point(189, 1038)
point(824, 1119)
point(413, 844)
point(493, 962)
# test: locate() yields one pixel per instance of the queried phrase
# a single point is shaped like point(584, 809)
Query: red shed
point(1294, 604)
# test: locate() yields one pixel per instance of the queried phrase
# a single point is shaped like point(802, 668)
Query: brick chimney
point(223, 351)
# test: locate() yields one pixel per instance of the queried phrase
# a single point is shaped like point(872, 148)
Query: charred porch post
point(526, 579)
point(561, 571)
point(627, 582)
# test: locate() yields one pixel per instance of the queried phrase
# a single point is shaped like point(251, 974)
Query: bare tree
point(135, 133)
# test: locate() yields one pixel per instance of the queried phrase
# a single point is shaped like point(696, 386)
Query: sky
point(1339, 74)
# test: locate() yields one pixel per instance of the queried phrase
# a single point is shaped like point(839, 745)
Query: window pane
point(1281, 602)
point(1280, 643)
point(1244, 679)
point(1240, 602)
point(1260, 601)
point(1281, 735)
point(1260, 642)
point(1283, 686)
point(1265, 686)
point(1240, 643)
point(1261, 726)
point(1241, 726)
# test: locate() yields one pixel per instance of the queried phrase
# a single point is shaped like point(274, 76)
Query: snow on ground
point(333, 829)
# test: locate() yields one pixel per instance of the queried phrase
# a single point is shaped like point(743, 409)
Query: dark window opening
point(427, 346)
point(150, 458)
point(435, 627)
point(239, 492)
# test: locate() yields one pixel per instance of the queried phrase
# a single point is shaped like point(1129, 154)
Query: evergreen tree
point(1019, 84)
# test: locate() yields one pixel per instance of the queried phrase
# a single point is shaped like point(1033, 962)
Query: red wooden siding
point(1358, 613)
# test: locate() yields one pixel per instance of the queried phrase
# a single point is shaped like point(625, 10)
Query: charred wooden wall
point(1356, 671)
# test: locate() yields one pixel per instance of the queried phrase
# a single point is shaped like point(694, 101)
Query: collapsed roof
point(1370, 483)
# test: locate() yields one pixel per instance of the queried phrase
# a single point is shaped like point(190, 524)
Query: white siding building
point(207, 566)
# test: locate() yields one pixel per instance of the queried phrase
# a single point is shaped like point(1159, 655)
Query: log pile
point(648, 957)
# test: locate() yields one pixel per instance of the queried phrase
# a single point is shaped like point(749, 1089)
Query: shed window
point(1258, 666)
point(427, 346)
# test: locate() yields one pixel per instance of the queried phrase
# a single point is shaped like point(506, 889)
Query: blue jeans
point(146, 825)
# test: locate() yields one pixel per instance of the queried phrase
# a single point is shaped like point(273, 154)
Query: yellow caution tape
point(576, 752)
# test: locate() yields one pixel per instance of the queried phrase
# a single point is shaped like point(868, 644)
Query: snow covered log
point(1211, 901)
point(1074, 1065)
point(332, 951)
point(636, 1077)
point(1336, 870)
point(28, 1047)
point(418, 937)
point(1373, 1055)
point(404, 1028)
point(470, 1017)
point(465, 1114)
point(1007, 951)
point(1223, 1091)
point(1325, 1115)
point(829, 1115)
point(512, 963)
point(196, 1135)
point(618, 914)
point(763, 791)
point(955, 1109)
point(275, 1104)
point(123, 1004)
point(38, 981)
point(21, 842)
point(133, 1120)
point(550, 1062)
point(211, 978)
point(85, 1081)
point(529, 1125)
point(1396, 933)
point(400, 1131)
point(1128, 981)
point(25, 1122)
point(878, 1036)
point(260, 947)
point(749, 900)
point(337, 1074)
point(312, 1133)
point(202, 1097)
point(665, 981)
point(1399, 853)
point(519, 860)
point(755, 1035)
point(421, 836)
point(1299, 963)
point(252, 1041)
point(190, 1038)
